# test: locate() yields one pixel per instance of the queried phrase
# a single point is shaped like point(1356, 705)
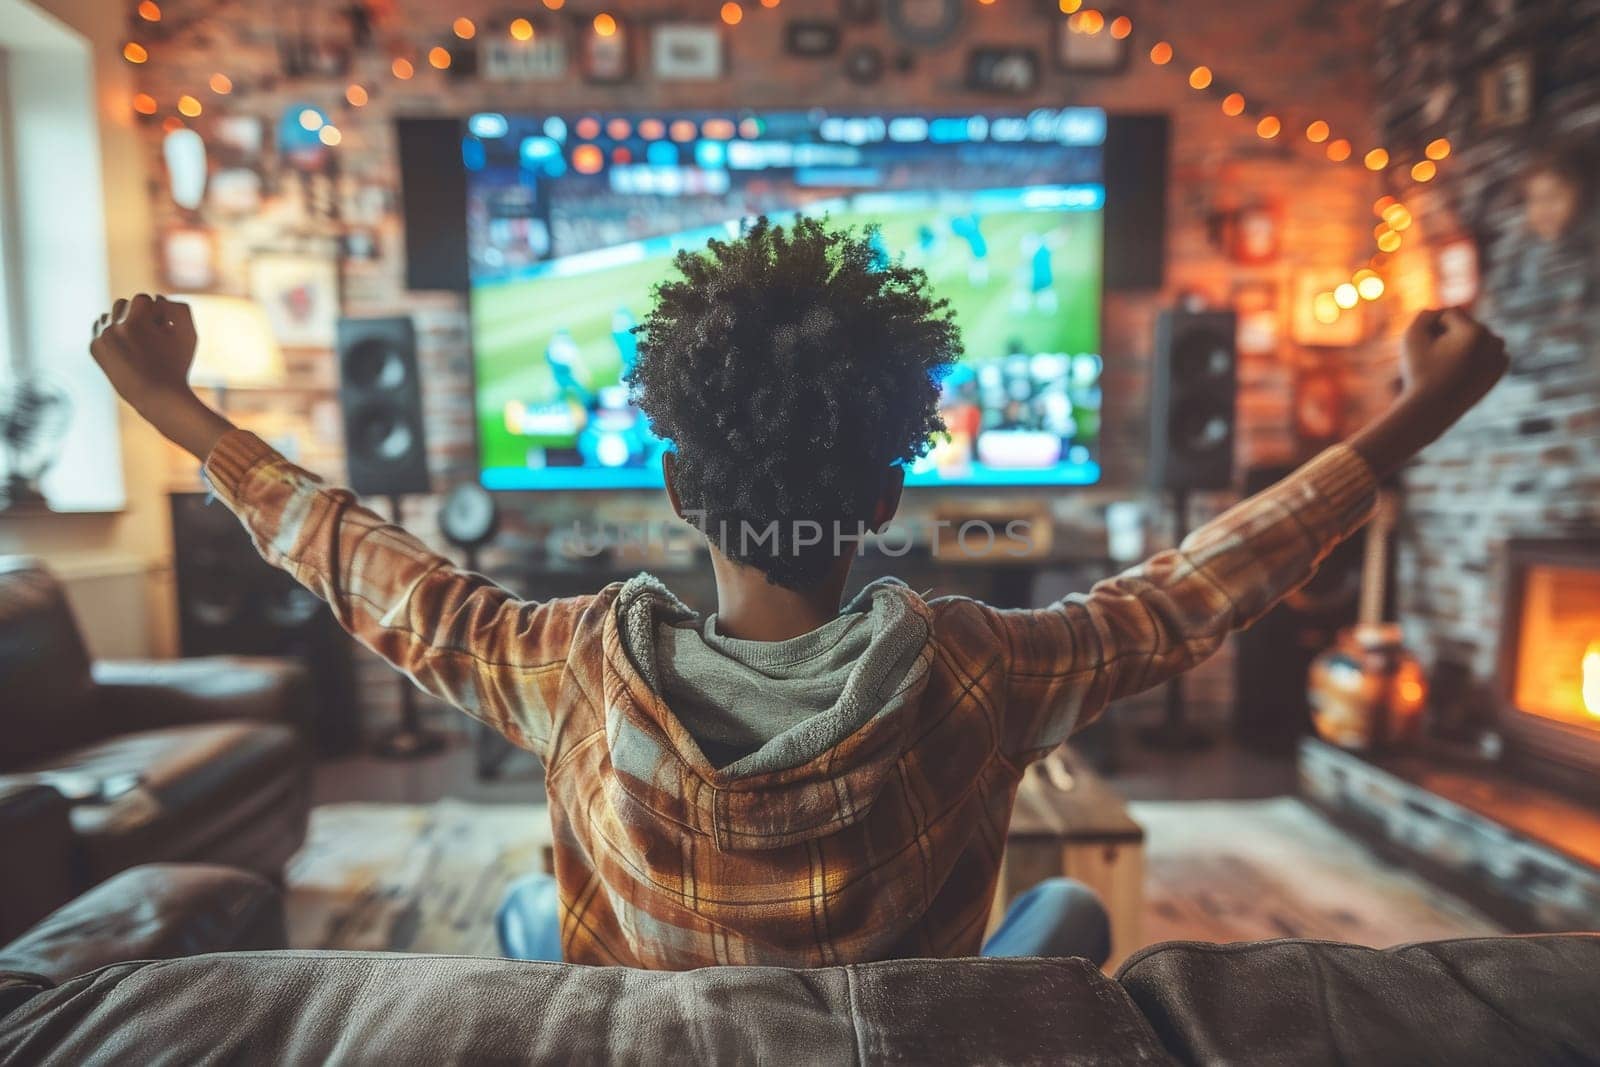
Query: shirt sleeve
point(456, 634)
point(1064, 663)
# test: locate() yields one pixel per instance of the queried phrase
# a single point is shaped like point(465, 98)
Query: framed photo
point(924, 23)
point(686, 51)
point(1252, 234)
point(543, 57)
point(188, 259)
point(301, 296)
point(1506, 90)
point(1455, 272)
point(1318, 405)
point(607, 60)
point(1089, 53)
point(1007, 70)
point(811, 38)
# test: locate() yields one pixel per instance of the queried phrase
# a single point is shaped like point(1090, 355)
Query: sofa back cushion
point(1492, 1000)
point(318, 1007)
point(44, 666)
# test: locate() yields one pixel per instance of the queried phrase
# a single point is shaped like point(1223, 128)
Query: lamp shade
point(235, 347)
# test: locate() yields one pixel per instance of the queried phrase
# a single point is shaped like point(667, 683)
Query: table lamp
point(235, 348)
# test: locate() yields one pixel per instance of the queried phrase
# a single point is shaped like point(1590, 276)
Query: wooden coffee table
point(1070, 821)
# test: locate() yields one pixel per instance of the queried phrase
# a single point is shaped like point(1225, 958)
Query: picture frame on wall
point(686, 51)
point(1455, 272)
point(546, 56)
point(1506, 90)
point(811, 38)
point(300, 294)
point(608, 59)
point(1089, 53)
point(1004, 70)
point(188, 259)
point(924, 23)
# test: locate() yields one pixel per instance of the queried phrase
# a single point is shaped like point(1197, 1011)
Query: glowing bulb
point(311, 119)
point(402, 69)
point(1233, 104)
point(150, 11)
point(1376, 159)
point(1200, 77)
point(774, 3)
point(221, 84)
point(1370, 287)
point(464, 28)
point(189, 106)
point(356, 95)
point(1591, 678)
point(439, 58)
point(134, 52)
point(732, 13)
point(1339, 150)
point(1382, 204)
point(1269, 127)
point(144, 104)
point(521, 30)
point(1396, 216)
point(605, 25)
point(1424, 171)
point(1325, 308)
point(1389, 242)
point(1121, 27)
point(1438, 148)
point(1161, 53)
point(330, 135)
point(1346, 296)
point(1317, 132)
point(1069, 7)
point(1091, 21)
point(555, 5)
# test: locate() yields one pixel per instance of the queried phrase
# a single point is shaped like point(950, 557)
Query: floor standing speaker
point(1192, 391)
point(232, 602)
point(380, 395)
point(1272, 659)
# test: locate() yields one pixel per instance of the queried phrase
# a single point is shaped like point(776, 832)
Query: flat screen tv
point(572, 220)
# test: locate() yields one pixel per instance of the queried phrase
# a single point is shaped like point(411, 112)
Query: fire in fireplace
point(1550, 653)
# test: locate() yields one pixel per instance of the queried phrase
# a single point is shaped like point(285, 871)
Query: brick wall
point(1527, 461)
point(1304, 59)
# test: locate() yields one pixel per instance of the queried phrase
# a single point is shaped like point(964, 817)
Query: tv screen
point(573, 220)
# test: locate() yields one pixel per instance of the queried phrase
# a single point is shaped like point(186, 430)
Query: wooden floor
point(1222, 771)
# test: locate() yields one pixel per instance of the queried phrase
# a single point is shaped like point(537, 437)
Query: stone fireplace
point(1550, 657)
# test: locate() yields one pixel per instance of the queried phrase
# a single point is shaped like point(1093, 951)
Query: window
point(53, 246)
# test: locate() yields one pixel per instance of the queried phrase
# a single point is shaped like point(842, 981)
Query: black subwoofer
point(380, 395)
point(1193, 383)
point(232, 602)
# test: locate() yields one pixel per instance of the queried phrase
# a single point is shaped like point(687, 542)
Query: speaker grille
point(381, 398)
point(1192, 400)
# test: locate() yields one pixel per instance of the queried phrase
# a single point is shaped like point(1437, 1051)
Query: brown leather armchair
point(186, 760)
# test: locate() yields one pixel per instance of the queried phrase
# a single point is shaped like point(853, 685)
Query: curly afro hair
point(790, 369)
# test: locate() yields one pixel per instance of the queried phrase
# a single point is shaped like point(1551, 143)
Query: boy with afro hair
point(787, 781)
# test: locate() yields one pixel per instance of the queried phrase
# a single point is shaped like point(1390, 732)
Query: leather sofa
point(183, 760)
point(108, 980)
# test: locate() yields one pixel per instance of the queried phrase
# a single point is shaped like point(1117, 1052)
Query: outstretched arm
point(1064, 663)
point(456, 634)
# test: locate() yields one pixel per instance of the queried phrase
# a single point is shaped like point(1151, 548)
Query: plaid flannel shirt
point(887, 845)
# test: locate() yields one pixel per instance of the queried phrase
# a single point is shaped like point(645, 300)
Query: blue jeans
point(1057, 917)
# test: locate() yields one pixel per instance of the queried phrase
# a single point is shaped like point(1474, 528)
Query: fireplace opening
point(1551, 653)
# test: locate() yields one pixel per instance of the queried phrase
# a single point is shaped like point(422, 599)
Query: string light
point(1161, 53)
point(1090, 21)
point(144, 104)
point(1317, 132)
point(439, 58)
point(464, 28)
point(1121, 27)
point(618, 129)
point(1376, 159)
point(1339, 150)
point(732, 13)
point(134, 52)
point(521, 30)
point(189, 106)
point(1269, 127)
point(1368, 285)
point(605, 25)
point(1233, 104)
point(1396, 217)
point(330, 136)
point(170, 123)
point(1424, 170)
point(555, 5)
point(1069, 7)
point(1199, 77)
point(1382, 204)
point(221, 84)
point(769, 4)
point(1389, 242)
point(1438, 148)
point(150, 11)
point(1345, 296)
point(356, 95)
point(1325, 308)
point(311, 120)
point(402, 69)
